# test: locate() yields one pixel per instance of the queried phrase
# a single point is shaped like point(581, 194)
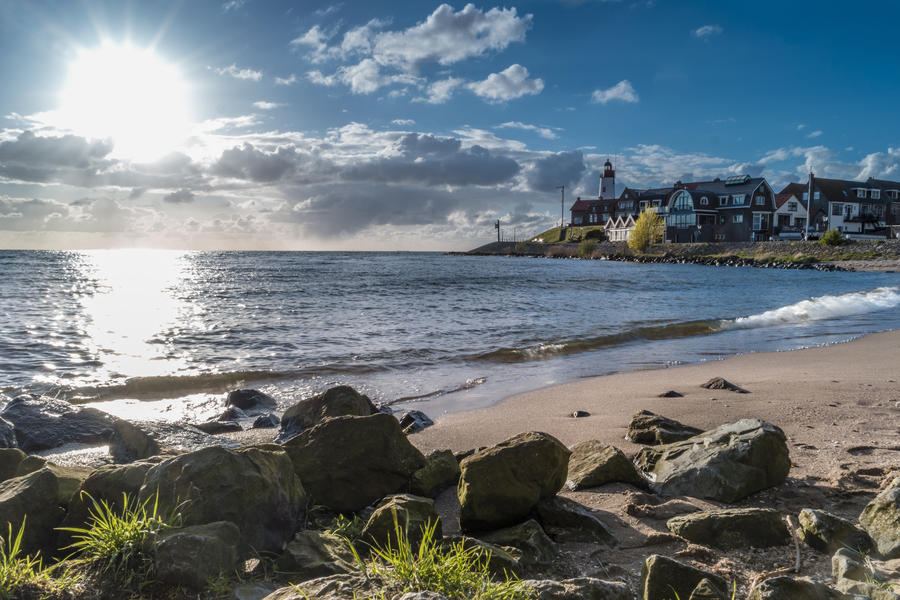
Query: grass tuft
point(18, 572)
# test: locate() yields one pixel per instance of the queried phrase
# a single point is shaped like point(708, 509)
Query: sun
point(129, 95)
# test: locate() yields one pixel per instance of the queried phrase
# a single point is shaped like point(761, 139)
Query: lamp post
point(562, 205)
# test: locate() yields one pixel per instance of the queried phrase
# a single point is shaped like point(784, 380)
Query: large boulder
point(42, 423)
point(881, 520)
point(566, 519)
point(36, 496)
point(663, 577)
point(254, 487)
point(251, 401)
point(10, 460)
point(649, 428)
point(347, 463)
point(7, 434)
point(790, 588)
point(314, 554)
point(137, 440)
point(440, 472)
point(580, 588)
point(727, 463)
point(828, 533)
point(867, 590)
point(502, 561)
point(501, 485)
point(333, 587)
point(410, 514)
point(191, 556)
point(339, 401)
point(594, 463)
point(732, 528)
point(529, 538)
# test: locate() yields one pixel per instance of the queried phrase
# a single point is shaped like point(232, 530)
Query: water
point(426, 330)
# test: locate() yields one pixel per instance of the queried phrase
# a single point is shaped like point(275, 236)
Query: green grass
point(572, 234)
point(116, 541)
point(18, 571)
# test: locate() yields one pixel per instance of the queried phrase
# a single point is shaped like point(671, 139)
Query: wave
point(814, 309)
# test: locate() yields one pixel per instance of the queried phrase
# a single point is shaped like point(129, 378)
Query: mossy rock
point(191, 556)
point(339, 401)
point(594, 463)
point(406, 512)
point(881, 520)
point(663, 577)
point(730, 528)
point(790, 588)
point(314, 554)
point(828, 533)
point(529, 538)
point(36, 496)
point(441, 471)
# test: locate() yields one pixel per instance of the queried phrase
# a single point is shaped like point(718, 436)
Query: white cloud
point(360, 39)
point(815, 134)
point(440, 91)
point(707, 31)
point(801, 127)
point(623, 91)
point(239, 73)
point(233, 5)
point(263, 105)
point(364, 77)
point(509, 84)
point(289, 80)
point(544, 132)
point(447, 37)
point(403, 122)
point(316, 39)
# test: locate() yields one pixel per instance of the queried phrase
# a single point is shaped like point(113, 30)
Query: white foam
point(822, 308)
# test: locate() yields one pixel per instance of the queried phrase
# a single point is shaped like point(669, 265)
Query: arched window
point(683, 202)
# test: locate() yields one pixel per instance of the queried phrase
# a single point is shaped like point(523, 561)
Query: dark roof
point(796, 189)
point(582, 205)
point(727, 186)
point(780, 199)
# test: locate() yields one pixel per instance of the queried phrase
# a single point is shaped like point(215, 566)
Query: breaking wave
point(822, 308)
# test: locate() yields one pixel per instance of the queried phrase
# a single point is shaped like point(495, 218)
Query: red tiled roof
point(781, 199)
point(582, 205)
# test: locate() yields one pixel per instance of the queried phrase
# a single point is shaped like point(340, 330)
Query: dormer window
point(704, 201)
point(723, 200)
point(760, 200)
point(876, 194)
point(738, 199)
point(860, 193)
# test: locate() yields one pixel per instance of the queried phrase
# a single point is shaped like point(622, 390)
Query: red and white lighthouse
point(608, 183)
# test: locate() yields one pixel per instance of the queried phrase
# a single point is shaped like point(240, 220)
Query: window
point(792, 207)
point(682, 220)
point(760, 200)
point(576, 221)
point(760, 222)
point(737, 218)
point(876, 194)
point(723, 200)
point(704, 201)
point(738, 199)
point(593, 218)
point(860, 193)
point(722, 219)
point(815, 195)
point(806, 196)
point(837, 209)
point(683, 202)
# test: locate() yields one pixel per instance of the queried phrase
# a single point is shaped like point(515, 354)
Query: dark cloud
point(183, 196)
point(43, 159)
point(562, 168)
point(251, 164)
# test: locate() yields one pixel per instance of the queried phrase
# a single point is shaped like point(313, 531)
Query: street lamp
point(562, 205)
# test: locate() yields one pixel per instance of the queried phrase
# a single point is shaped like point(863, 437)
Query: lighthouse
point(608, 183)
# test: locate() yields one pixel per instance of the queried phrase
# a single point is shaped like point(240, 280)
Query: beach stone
point(848, 563)
point(730, 528)
point(828, 533)
point(30, 464)
point(580, 414)
point(580, 588)
point(42, 423)
point(266, 421)
point(412, 514)
point(333, 587)
point(254, 487)
point(594, 463)
point(137, 440)
point(251, 591)
point(37, 496)
point(707, 590)
point(881, 520)
point(347, 463)
point(502, 484)
point(529, 538)
point(422, 596)
point(69, 479)
point(441, 471)
point(861, 589)
point(649, 428)
point(726, 464)
point(214, 427)
point(671, 394)
point(339, 401)
point(232, 413)
point(663, 577)
point(565, 518)
point(415, 421)
point(718, 383)
point(10, 459)
point(313, 554)
point(501, 560)
point(7, 434)
point(191, 556)
point(250, 400)
point(790, 588)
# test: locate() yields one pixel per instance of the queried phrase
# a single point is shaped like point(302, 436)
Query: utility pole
point(809, 197)
point(562, 206)
point(497, 227)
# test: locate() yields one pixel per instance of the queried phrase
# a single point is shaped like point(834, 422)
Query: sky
point(295, 124)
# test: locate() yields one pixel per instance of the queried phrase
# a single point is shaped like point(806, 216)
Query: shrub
point(586, 247)
point(832, 237)
point(648, 229)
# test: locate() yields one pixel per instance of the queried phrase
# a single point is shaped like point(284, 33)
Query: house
point(597, 211)
point(818, 208)
point(858, 209)
point(618, 229)
point(790, 216)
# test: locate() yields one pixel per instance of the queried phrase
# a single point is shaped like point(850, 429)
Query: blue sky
point(383, 125)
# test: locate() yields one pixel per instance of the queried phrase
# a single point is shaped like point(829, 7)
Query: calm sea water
point(428, 330)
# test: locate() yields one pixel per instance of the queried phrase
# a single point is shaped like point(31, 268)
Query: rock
point(440, 472)
point(861, 589)
point(250, 400)
point(254, 487)
point(338, 401)
point(789, 588)
point(663, 577)
point(881, 520)
point(593, 464)
point(502, 560)
point(347, 463)
point(727, 463)
point(529, 538)
point(30, 464)
point(37, 496)
point(232, 413)
point(136, 440)
point(7, 434)
point(41, 423)
point(10, 459)
point(333, 587)
point(717, 383)
point(69, 479)
point(214, 427)
point(707, 590)
point(422, 596)
point(313, 554)
point(580, 414)
point(732, 528)
point(649, 428)
point(251, 591)
point(266, 421)
point(415, 421)
point(568, 519)
point(502, 484)
point(412, 514)
point(191, 556)
point(670, 394)
point(851, 564)
point(581, 588)
point(828, 533)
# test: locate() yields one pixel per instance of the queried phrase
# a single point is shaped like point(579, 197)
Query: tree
point(648, 229)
